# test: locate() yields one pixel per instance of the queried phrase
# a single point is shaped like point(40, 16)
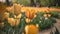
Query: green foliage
point(44, 23)
point(22, 23)
point(24, 2)
point(6, 26)
point(42, 2)
point(47, 2)
point(11, 15)
point(55, 14)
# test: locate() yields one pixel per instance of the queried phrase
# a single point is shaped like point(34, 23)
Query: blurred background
point(33, 2)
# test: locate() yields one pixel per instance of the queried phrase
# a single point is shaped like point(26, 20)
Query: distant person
point(56, 4)
point(38, 5)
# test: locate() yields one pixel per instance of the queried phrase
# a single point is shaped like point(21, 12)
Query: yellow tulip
point(14, 16)
point(28, 20)
point(35, 16)
point(37, 25)
point(49, 15)
point(45, 15)
point(17, 21)
point(11, 21)
point(5, 16)
point(19, 16)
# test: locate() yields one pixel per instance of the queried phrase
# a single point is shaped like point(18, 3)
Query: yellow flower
point(49, 15)
point(35, 16)
point(14, 16)
point(17, 21)
point(45, 15)
point(31, 29)
point(5, 16)
point(19, 16)
point(28, 20)
point(11, 21)
point(37, 25)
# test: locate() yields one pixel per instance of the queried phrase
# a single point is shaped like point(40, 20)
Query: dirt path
point(58, 24)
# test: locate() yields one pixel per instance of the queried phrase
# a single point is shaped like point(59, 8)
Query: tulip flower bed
point(42, 20)
point(18, 22)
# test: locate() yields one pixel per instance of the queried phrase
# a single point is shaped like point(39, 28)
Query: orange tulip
point(31, 29)
point(27, 13)
point(30, 14)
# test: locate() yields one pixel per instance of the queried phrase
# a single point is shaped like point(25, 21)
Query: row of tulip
point(29, 20)
point(41, 20)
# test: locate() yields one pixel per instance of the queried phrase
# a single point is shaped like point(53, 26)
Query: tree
point(32, 3)
point(38, 3)
point(58, 1)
